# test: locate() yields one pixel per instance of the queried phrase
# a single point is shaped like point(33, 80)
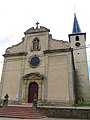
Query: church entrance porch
point(32, 90)
point(33, 84)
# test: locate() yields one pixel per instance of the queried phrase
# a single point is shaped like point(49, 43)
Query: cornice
point(57, 51)
point(15, 54)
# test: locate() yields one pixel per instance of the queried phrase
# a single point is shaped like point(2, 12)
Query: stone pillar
point(25, 89)
point(40, 92)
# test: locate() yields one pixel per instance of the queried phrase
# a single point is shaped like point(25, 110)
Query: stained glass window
point(35, 61)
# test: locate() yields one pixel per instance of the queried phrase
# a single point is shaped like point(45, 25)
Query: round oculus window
point(34, 61)
point(77, 44)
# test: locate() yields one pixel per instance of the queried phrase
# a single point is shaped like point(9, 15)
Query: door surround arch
point(33, 77)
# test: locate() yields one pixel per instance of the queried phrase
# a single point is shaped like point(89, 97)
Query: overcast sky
point(16, 16)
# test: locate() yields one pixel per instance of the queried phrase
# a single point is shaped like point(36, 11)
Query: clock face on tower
point(34, 61)
point(77, 44)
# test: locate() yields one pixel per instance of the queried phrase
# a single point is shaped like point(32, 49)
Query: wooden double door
point(32, 90)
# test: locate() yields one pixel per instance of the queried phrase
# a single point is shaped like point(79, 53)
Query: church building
point(54, 70)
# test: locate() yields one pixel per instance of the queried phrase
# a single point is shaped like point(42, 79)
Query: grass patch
point(82, 105)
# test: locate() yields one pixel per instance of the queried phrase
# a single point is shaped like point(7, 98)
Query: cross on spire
point(37, 25)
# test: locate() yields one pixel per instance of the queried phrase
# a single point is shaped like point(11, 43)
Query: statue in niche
point(35, 44)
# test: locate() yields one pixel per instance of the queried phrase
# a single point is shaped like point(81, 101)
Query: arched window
point(35, 44)
point(77, 38)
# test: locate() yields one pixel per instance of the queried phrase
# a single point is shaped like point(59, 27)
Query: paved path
point(1, 118)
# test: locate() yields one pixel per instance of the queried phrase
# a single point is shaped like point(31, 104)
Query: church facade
point(55, 70)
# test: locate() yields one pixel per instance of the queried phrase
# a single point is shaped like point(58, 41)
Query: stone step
point(23, 105)
point(20, 111)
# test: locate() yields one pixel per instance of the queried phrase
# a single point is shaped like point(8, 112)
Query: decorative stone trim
point(15, 54)
point(57, 51)
point(39, 30)
point(34, 76)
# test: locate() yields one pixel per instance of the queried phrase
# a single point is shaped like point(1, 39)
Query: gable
point(58, 44)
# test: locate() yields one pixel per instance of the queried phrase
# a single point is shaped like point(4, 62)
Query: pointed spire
point(76, 27)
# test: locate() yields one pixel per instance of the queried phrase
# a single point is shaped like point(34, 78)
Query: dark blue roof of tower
point(76, 27)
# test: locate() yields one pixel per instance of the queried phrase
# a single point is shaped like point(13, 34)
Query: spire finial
point(76, 27)
point(37, 23)
point(74, 9)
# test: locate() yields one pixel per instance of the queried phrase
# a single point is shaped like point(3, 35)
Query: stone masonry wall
point(66, 112)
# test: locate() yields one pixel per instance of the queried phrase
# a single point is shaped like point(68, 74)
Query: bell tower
point(77, 41)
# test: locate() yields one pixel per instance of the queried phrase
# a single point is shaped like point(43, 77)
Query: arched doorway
point(32, 90)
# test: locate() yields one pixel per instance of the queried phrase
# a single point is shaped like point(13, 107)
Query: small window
point(77, 38)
